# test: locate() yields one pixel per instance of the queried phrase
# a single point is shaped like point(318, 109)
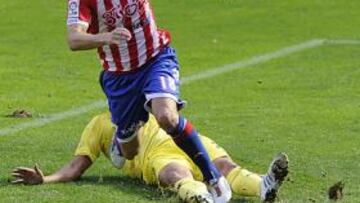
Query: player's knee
point(225, 165)
point(130, 154)
point(172, 173)
point(167, 120)
point(165, 112)
point(130, 149)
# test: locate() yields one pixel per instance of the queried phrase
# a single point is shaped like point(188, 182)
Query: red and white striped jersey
point(135, 15)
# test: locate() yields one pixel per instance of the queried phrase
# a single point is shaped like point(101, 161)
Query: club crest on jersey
point(73, 9)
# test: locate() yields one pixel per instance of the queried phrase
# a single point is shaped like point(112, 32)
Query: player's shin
point(186, 137)
point(188, 140)
point(244, 182)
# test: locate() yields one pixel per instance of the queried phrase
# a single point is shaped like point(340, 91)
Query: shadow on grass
point(242, 200)
point(131, 186)
point(136, 187)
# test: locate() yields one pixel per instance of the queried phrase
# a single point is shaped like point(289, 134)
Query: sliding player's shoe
point(117, 160)
point(275, 176)
point(220, 190)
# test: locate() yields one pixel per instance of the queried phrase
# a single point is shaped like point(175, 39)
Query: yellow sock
point(244, 182)
point(188, 188)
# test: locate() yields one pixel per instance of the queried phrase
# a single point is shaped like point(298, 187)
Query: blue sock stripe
point(186, 137)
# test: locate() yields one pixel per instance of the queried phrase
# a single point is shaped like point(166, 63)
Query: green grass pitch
point(305, 103)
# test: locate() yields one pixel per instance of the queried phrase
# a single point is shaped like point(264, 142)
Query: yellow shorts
point(167, 152)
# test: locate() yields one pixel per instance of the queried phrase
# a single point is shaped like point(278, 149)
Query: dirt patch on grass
point(19, 113)
point(336, 191)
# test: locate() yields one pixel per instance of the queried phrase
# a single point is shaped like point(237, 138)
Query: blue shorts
point(129, 94)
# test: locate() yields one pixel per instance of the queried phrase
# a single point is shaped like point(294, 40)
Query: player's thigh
point(162, 84)
point(126, 102)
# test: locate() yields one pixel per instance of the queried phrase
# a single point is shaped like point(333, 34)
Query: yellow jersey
point(156, 148)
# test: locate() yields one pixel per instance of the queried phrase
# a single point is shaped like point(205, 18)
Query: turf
point(306, 104)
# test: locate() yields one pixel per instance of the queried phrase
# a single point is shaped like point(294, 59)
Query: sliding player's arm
point(70, 172)
point(87, 152)
point(79, 39)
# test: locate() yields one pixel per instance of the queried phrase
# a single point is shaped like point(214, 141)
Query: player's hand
point(28, 176)
point(117, 35)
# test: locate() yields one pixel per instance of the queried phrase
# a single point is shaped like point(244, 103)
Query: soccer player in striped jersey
point(140, 75)
point(162, 163)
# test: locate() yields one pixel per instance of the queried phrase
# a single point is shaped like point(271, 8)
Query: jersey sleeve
point(79, 12)
point(90, 141)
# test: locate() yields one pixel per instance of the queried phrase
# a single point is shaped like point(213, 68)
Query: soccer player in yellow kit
point(161, 163)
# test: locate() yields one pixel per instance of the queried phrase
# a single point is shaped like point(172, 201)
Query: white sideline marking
point(343, 42)
point(186, 80)
point(254, 60)
point(39, 122)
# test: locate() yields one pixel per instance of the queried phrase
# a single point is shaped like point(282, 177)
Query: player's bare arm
point(79, 39)
point(70, 172)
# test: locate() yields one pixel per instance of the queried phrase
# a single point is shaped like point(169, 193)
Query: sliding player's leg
point(179, 178)
point(246, 183)
point(242, 181)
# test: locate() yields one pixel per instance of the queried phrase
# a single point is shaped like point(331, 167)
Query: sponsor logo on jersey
point(117, 14)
